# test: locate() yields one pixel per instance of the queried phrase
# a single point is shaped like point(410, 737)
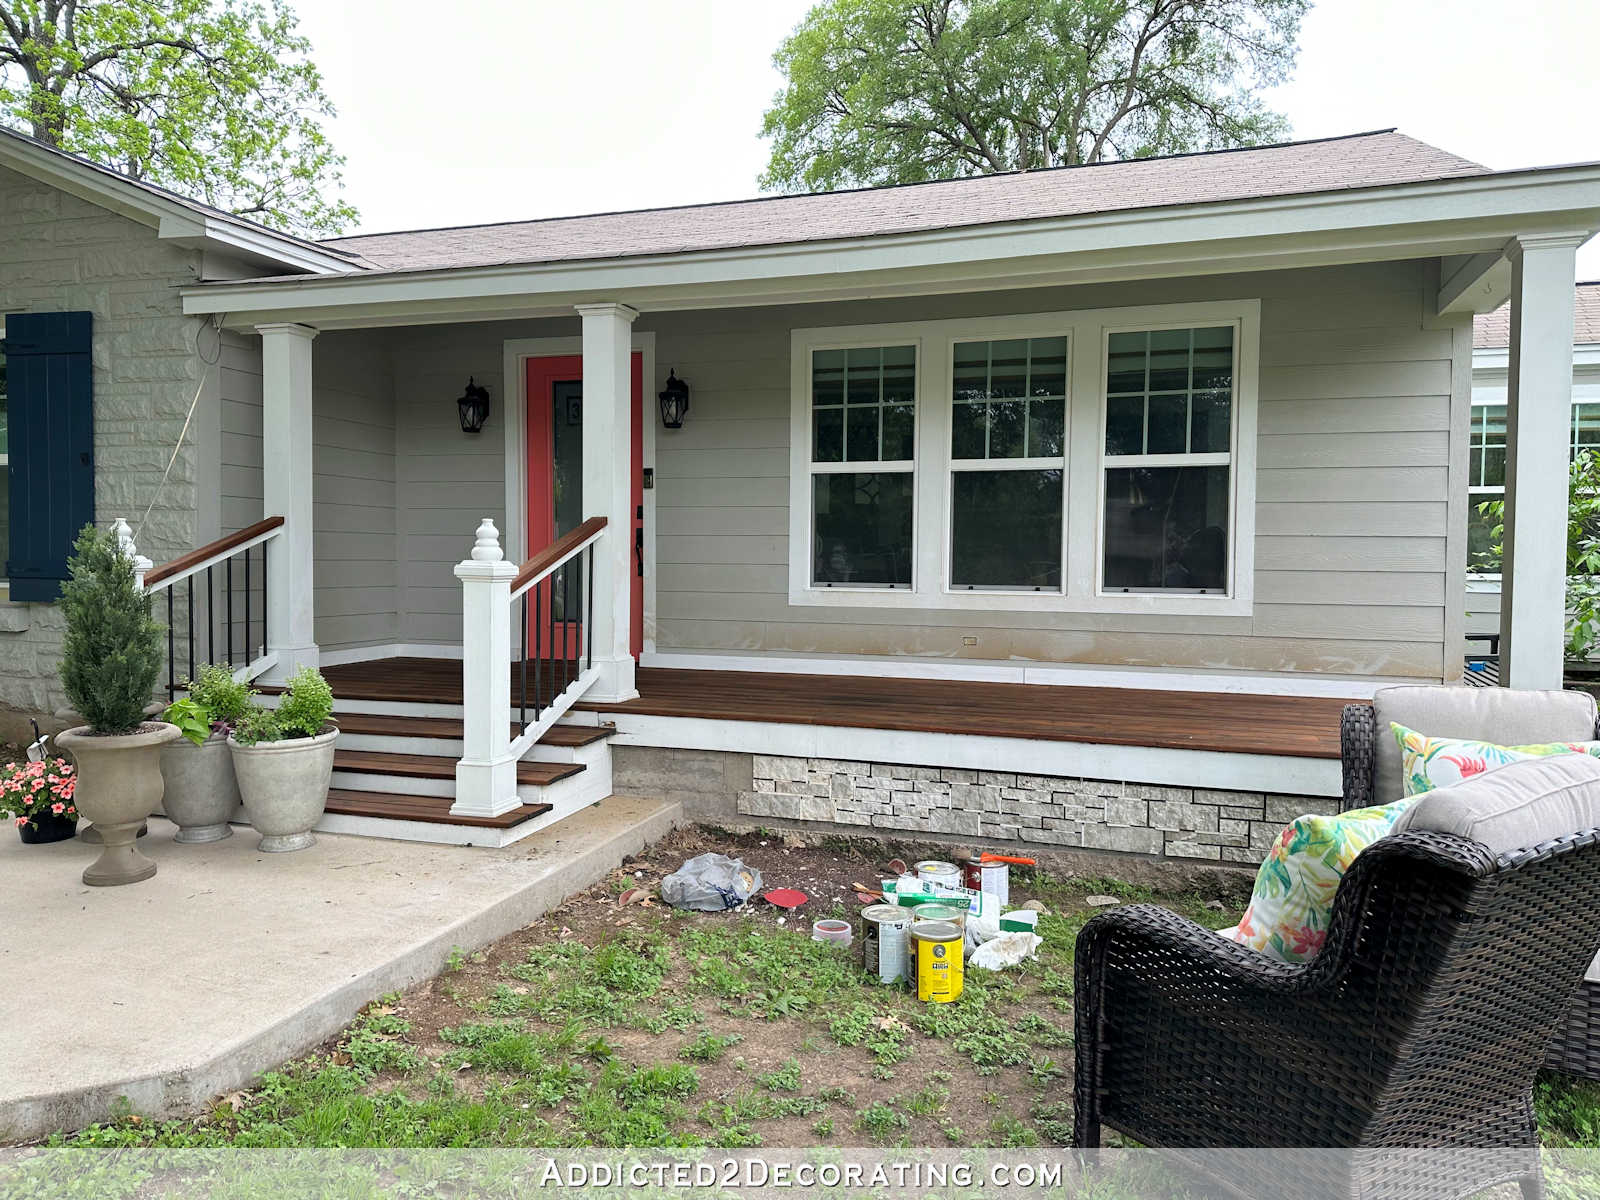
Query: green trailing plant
point(303, 712)
point(1583, 553)
point(111, 652)
point(215, 703)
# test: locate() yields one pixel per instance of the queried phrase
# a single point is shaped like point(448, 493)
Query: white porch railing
point(229, 619)
point(529, 678)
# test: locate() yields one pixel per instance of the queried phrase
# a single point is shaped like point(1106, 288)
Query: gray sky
point(495, 110)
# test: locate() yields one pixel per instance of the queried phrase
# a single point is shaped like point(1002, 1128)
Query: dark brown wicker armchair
point(1420, 1024)
point(1576, 1045)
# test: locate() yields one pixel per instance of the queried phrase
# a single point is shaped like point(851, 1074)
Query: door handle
point(638, 548)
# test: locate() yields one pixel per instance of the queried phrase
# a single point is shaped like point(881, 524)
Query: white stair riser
point(400, 785)
point(386, 743)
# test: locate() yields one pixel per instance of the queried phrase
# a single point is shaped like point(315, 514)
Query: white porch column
point(486, 774)
point(286, 492)
point(1538, 433)
point(607, 489)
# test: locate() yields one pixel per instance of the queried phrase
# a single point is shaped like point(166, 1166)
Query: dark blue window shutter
point(50, 411)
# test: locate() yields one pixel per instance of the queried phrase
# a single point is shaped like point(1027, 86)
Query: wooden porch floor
point(1299, 726)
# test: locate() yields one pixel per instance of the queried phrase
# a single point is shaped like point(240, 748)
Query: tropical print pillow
point(1293, 897)
point(1428, 762)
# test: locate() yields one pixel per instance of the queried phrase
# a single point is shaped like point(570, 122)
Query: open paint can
point(936, 957)
point(937, 871)
point(830, 929)
point(886, 942)
point(939, 911)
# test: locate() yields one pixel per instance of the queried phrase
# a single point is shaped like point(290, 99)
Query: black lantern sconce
point(674, 402)
point(474, 406)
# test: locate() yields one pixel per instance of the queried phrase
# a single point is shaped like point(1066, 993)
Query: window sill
point(1150, 603)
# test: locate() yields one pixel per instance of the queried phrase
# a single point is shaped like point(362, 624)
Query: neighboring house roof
point(175, 216)
point(1377, 159)
point(1492, 331)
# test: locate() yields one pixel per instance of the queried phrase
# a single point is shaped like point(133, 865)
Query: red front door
point(556, 503)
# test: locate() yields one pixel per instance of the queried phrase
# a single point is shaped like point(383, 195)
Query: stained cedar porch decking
point(1226, 722)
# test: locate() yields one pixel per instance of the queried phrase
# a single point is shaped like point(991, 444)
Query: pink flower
point(57, 809)
point(21, 821)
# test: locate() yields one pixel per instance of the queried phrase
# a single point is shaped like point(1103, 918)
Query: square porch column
point(607, 489)
point(1538, 436)
point(286, 487)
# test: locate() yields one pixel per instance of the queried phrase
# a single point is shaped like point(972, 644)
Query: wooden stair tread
point(434, 766)
point(435, 809)
point(382, 725)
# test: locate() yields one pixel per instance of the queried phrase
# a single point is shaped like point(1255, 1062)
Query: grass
point(717, 1031)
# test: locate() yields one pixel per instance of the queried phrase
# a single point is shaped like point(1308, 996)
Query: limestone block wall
point(994, 807)
point(59, 253)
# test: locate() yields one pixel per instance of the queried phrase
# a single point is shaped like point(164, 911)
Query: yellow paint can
point(936, 960)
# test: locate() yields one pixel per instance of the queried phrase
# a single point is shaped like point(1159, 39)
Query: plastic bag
point(1007, 950)
point(710, 883)
point(982, 927)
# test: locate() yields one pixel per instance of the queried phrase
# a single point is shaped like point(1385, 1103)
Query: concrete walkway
point(230, 961)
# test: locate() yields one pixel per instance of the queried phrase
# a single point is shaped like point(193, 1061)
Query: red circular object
point(786, 897)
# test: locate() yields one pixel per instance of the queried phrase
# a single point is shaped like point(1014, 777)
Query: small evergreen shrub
point(111, 653)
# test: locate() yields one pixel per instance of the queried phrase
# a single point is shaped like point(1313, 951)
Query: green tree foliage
point(111, 653)
point(1583, 552)
point(901, 91)
point(216, 99)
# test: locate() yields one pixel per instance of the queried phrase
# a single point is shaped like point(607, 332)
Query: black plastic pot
point(47, 827)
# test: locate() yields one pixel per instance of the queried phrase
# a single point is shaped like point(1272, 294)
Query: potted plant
point(283, 758)
point(111, 655)
point(202, 793)
point(37, 796)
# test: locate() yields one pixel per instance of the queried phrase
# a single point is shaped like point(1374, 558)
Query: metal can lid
point(936, 912)
point(936, 865)
point(885, 913)
point(935, 931)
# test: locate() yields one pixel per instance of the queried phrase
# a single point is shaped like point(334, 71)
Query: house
point(1491, 341)
point(1063, 507)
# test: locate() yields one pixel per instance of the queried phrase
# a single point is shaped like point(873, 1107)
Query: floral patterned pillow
point(1293, 897)
point(1428, 762)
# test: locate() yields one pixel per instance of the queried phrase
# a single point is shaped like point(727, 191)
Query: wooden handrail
point(211, 550)
point(552, 555)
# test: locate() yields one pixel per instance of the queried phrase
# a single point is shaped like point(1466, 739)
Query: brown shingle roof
point(1358, 161)
point(1492, 331)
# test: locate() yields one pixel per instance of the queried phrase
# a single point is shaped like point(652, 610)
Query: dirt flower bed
point(607, 1024)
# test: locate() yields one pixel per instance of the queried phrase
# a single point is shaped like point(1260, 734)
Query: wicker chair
point(1420, 1024)
point(1576, 1046)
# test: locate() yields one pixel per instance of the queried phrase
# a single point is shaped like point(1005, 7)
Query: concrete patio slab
point(230, 961)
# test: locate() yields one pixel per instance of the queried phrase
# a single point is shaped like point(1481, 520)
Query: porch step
point(428, 809)
point(435, 767)
point(450, 729)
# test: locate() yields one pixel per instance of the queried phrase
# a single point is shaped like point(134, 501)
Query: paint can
point(991, 877)
point(937, 963)
point(950, 914)
point(886, 942)
point(830, 929)
point(938, 871)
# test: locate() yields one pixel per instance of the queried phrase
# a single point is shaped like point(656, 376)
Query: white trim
point(1273, 773)
point(355, 654)
point(1354, 687)
point(1083, 480)
point(1460, 215)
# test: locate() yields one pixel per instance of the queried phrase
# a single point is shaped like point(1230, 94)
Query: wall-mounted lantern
point(474, 406)
point(674, 402)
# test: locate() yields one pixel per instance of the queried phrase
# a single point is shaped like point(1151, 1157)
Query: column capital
point(1569, 240)
point(292, 328)
point(609, 308)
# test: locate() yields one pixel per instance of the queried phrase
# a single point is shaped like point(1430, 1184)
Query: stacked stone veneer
point(1095, 814)
point(60, 253)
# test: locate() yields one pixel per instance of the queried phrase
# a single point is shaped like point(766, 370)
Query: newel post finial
point(487, 547)
point(124, 535)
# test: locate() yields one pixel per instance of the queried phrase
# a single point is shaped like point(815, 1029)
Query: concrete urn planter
point(119, 785)
point(202, 793)
point(284, 786)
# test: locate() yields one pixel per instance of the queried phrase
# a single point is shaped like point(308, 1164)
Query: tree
point(901, 91)
point(216, 99)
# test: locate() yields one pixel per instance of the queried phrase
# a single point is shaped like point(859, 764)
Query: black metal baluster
point(189, 595)
point(588, 611)
point(522, 666)
point(211, 619)
point(172, 660)
point(266, 609)
point(227, 576)
point(538, 651)
point(248, 657)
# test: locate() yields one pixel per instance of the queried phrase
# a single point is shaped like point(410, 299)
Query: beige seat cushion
point(1499, 715)
point(1515, 806)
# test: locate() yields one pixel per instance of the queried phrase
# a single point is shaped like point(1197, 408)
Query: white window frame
point(1086, 332)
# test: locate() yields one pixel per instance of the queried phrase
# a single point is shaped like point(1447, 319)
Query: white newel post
point(286, 450)
point(121, 530)
point(607, 489)
point(1538, 434)
point(486, 775)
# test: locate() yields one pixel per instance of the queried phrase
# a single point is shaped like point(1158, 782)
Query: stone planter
point(285, 787)
point(119, 785)
point(202, 794)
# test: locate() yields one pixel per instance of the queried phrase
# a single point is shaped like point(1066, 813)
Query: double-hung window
point(1008, 404)
point(863, 439)
point(1486, 481)
point(1167, 460)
